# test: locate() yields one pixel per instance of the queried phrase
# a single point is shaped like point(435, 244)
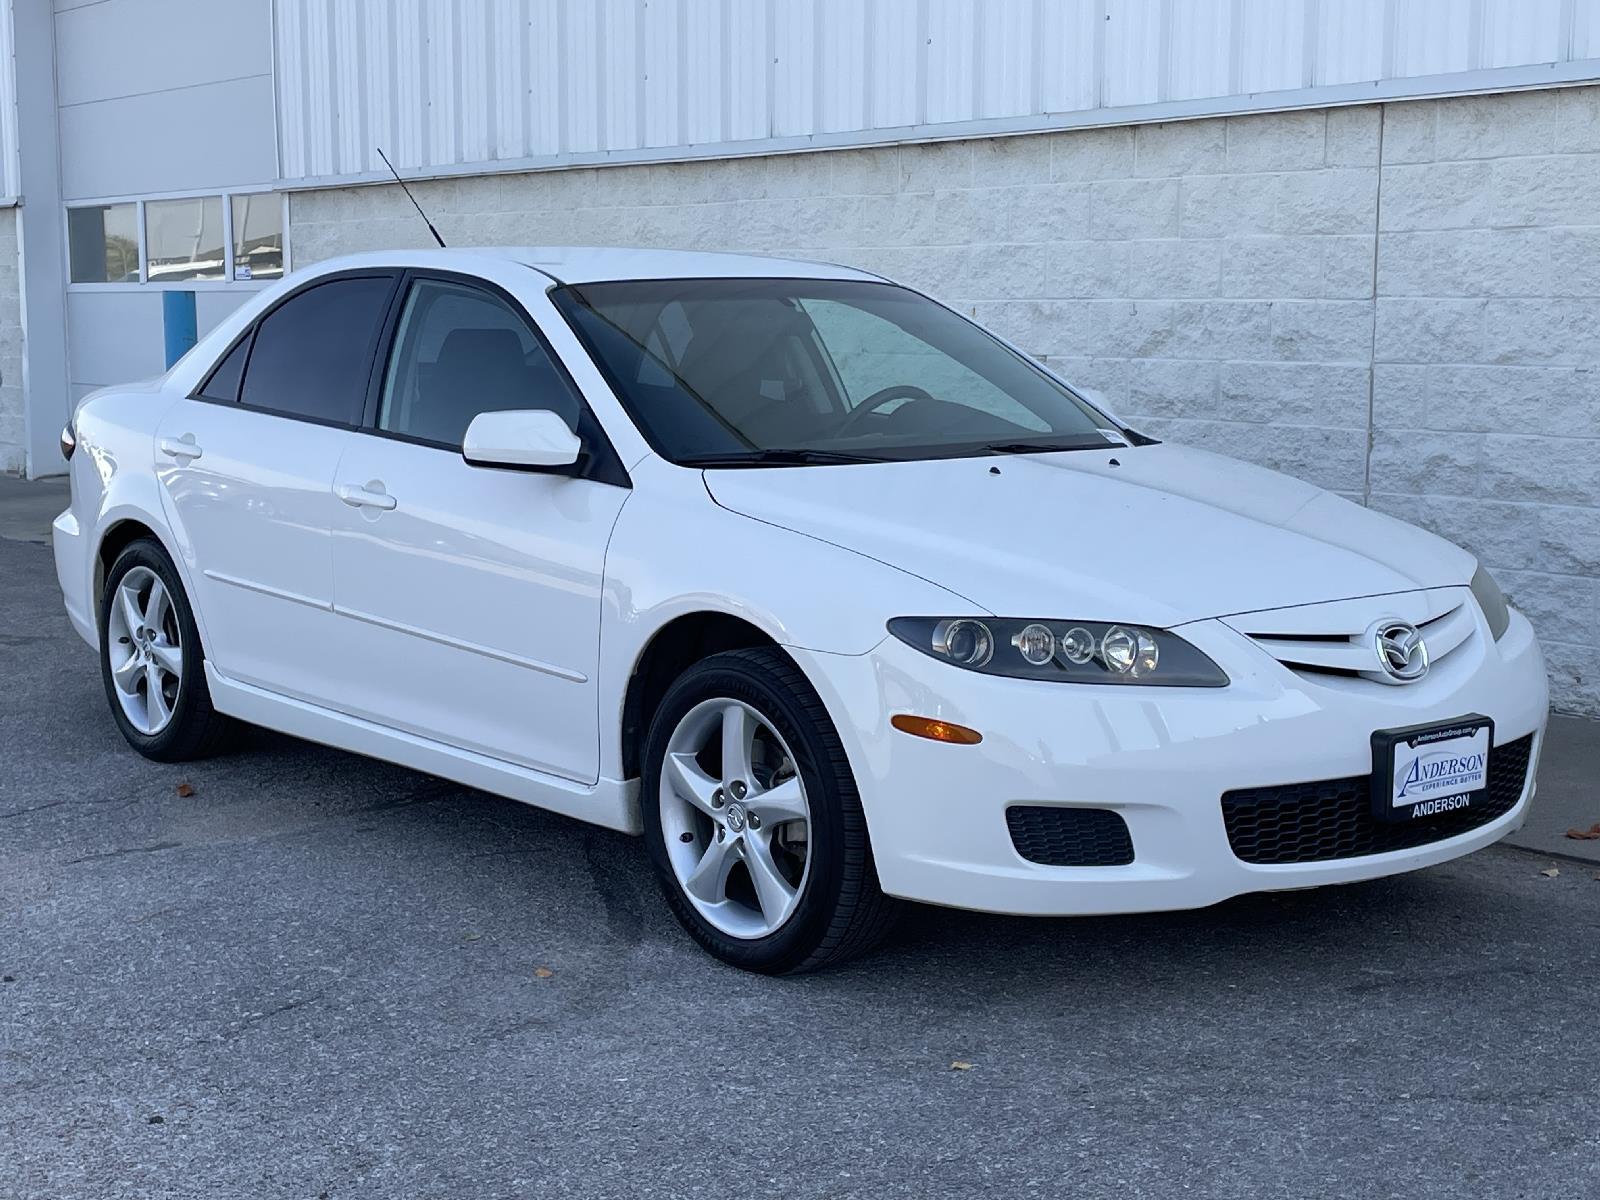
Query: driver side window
point(460, 351)
point(871, 355)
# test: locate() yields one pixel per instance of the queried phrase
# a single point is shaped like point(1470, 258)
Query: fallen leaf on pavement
point(542, 972)
point(1550, 872)
point(960, 1065)
point(185, 790)
point(1585, 835)
point(470, 937)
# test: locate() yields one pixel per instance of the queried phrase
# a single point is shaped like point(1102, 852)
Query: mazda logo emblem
point(1401, 651)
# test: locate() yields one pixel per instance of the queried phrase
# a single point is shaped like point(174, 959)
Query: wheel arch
point(114, 539)
point(674, 647)
point(120, 528)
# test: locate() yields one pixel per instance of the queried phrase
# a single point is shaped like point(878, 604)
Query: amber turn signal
point(938, 731)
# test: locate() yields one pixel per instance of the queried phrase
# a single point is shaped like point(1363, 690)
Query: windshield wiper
point(1044, 447)
point(781, 457)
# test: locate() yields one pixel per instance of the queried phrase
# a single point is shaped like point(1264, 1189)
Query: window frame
point(247, 337)
point(598, 460)
point(144, 282)
point(245, 340)
point(393, 274)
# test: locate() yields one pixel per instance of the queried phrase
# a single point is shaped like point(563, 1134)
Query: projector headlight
point(1489, 597)
point(1061, 651)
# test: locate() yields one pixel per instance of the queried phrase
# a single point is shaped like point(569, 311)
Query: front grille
point(1320, 645)
point(1332, 818)
point(1070, 837)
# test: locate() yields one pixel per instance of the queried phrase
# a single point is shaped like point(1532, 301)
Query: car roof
point(593, 264)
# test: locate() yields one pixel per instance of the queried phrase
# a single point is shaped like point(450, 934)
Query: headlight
point(1489, 597)
point(1061, 651)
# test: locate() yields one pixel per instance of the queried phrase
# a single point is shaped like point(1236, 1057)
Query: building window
point(258, 236)
point(183, 240)
point(178, 241)
point(103, 243)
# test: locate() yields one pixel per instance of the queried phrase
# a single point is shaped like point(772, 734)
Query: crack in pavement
point(159, 846)
point(19, 812)
point(153, 914)
point(243, 1025)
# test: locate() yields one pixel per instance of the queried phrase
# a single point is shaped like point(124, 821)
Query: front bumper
point(1159, 757)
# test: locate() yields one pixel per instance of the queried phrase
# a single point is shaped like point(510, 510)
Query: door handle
point(364, 497)
point(183, 449)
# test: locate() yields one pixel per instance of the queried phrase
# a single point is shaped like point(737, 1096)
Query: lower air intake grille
point(1332, 818)
point(1070, 837)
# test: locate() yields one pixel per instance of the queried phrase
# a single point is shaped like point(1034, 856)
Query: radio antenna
point(411, 198)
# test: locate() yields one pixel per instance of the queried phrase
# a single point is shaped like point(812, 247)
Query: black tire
point(841, 913)
point(196, 730)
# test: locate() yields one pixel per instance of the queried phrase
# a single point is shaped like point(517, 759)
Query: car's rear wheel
point(753, 821)
point(152, 662)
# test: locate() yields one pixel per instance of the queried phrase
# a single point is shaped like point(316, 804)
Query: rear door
point(246, 466)
point(472, 594)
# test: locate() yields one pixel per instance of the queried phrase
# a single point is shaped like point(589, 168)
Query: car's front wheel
point(151, 660)
point(753, 821)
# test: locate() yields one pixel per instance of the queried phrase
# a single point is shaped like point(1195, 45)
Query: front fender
point(675, 552)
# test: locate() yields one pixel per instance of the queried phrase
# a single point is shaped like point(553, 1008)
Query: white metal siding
point(8, 106)
point(174, 95)
point(447, 84)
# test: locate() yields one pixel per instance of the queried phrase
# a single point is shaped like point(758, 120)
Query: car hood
point(1156, 535)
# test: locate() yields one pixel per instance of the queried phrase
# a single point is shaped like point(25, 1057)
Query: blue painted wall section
point(178, 323)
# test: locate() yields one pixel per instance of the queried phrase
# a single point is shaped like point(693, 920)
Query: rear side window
point(313, 353)
point(224, 382)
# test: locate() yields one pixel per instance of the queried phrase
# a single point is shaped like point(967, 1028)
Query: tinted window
point(718, 371)
point(313, 353)
point(460, 351)
point(224, 381)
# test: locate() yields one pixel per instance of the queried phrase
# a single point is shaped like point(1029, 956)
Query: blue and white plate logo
point(1441, 769)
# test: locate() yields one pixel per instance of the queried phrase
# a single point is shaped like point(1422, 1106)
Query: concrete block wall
point(1486, 354)
point(1400, 303)
point(12, 438)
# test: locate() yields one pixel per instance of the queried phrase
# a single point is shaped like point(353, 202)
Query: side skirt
point(613, 803)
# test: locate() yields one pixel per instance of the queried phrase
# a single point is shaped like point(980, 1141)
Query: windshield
point(724, 372)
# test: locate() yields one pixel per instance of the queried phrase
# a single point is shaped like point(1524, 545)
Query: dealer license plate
point(1431, 770)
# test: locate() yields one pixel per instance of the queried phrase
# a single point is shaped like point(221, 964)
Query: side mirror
point(530, 439)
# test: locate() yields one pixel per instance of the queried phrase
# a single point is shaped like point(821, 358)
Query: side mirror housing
point(526, 439)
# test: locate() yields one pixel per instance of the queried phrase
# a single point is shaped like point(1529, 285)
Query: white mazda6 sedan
point(834, 596)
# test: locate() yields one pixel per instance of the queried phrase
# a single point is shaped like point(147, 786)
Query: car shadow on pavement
point(556, 866)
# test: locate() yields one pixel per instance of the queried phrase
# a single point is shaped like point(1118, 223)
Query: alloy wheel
point(735, 818)
point(145, 650)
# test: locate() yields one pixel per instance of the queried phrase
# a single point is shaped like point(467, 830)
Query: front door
point(246, 468)
point(470, 596)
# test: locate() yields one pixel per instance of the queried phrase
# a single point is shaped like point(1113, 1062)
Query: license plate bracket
point(1431, 770)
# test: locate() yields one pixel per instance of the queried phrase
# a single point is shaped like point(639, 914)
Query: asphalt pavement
point(292, 972)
